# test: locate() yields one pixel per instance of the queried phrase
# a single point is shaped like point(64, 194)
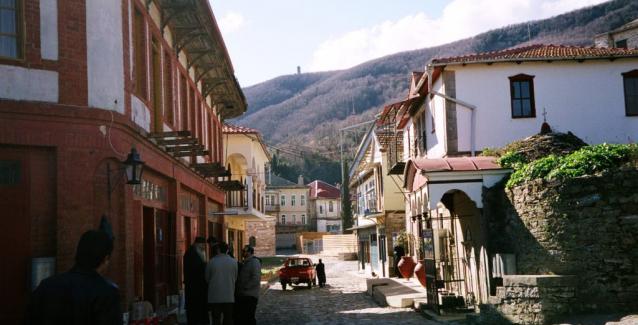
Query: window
point(294, 219)
point(303, 219)
point(522, 94)
point(283, 219)
point(630, 81)
point(268, 200)
point(168, 89)
point(330, 207)
point(10, 22)
point(321, 209)
point(283, 200)
point(293, 198)
point(303, 200)
point(621, 44)
point(184, 102)
point(139, 52)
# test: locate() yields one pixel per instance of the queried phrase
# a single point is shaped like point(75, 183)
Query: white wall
point(105, 63)
point(584, 98)
point(49, 29)
point(436, 146)
point(28, 84)
point(141, 114)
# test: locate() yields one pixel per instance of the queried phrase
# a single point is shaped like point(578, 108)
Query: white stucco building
point(325, 207)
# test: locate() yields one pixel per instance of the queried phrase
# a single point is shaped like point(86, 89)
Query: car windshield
point(298, 262)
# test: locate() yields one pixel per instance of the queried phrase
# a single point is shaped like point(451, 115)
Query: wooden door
point(15, 239)
point(148, 226)
point(188, 234)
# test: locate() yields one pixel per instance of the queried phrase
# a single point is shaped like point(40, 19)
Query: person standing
point(221, 275)
point(195, 286)
point(212, 244)
point(398, 254)
point(248, 285)
point(321, 273)
point(80, 295)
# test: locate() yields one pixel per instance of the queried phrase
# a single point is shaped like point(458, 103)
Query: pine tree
point(346, 204)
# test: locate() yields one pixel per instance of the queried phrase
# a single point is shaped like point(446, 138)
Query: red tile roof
point(456, 164)
point(540, 52)
point(229, 128)
point(323, 190)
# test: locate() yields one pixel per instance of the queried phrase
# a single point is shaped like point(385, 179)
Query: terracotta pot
point(419, 271)
point(406, 266)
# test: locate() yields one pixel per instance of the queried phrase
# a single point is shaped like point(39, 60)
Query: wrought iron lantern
point(133, 167)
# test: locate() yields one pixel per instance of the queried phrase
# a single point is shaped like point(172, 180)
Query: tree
point(346, 204)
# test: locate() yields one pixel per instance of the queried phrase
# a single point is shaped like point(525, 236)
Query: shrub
point(586, 161)
point(512, 160)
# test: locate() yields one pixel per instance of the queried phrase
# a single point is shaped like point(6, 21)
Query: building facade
point(324, 207)
point(378, 210)
point(84, 82)
point(488, 100)
point(288, 202)
point(245, 213)
point(625, 36)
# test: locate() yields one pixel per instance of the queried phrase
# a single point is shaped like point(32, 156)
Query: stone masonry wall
point(264, 233)
point(530, 300)
point(587, 227)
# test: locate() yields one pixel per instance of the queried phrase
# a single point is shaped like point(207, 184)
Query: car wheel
point(283, 286)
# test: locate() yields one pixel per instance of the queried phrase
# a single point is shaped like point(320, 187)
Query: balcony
point(241, 202)
point(273, 208)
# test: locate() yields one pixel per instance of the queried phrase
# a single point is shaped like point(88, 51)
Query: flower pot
point(406, 266)
point(419, 271)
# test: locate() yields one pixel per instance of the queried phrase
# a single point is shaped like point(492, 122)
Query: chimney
point(298, 69)
point(338, 185)
point(300, 180)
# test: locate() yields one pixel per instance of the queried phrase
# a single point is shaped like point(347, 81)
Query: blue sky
point(270, 38)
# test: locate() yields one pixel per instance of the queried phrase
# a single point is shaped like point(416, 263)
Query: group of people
point(221, 285)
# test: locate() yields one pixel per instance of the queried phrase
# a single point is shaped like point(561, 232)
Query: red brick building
point(83, 82)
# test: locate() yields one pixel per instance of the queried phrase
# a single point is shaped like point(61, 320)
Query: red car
point(297, 270)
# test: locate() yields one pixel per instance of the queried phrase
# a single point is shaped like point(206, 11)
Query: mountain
point(304, 112)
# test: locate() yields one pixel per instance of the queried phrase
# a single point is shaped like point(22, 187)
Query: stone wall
point(530, 300)
point(587, 226)
point(264, 233)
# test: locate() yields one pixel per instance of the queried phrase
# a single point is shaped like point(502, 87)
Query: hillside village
point(492, 180)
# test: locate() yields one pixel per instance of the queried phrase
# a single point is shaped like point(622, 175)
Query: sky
point(267, 39)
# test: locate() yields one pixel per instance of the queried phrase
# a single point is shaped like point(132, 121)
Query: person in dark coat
point(195, 286)
point(321, 273)
point(80, 295)
point(213, 244)
point(398, 254)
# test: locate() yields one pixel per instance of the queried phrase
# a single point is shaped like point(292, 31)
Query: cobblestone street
point(342, 301)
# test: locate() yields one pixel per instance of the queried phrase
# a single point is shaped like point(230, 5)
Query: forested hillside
point(305, 111)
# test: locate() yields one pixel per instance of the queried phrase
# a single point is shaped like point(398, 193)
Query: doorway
point(158, 233)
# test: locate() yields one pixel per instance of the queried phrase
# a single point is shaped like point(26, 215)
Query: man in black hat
point(80, 295)
point(195, 286)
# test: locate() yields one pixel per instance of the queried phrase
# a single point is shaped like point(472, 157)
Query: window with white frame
point(331, 206)
point(294, 219)
point(283, 200)
point(321, 209)
point(303, 219)
point(283, 219)
point(10, 29)
point(268, 200)
point(303, 200)
point(293, 199)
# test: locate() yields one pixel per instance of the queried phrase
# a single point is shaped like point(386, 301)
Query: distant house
point(379, 205)
point(288, 202)
point(466, 103)
point(324, 207)
point(626, 36)
point(246, 221)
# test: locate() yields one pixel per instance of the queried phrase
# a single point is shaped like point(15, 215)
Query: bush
point(586, 161)
point(512, 160)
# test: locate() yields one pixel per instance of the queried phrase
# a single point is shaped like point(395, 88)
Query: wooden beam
point(185, 148)
point(171, 134)
point(191, 153)
point(172, 142)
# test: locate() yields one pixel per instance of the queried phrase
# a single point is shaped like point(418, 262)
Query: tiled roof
point(229, 128)
point(456, 164)
point(321, 189)
point(273, 181)
point(540, 52)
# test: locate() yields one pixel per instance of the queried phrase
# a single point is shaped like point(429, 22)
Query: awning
point(362, 227)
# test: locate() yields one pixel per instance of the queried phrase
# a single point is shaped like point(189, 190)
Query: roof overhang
point(195, 31)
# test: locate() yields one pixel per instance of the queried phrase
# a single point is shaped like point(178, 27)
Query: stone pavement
point(342, 301)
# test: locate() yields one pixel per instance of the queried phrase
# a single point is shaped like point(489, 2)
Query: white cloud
point(230, 22)
point(460, 19)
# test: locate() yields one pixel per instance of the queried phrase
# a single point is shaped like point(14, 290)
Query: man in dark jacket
point(195, 286)
point(247, 288)
point(321, 273)
point(80, 295)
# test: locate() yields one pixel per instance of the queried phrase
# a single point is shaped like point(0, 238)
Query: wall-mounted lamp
point(133, 167)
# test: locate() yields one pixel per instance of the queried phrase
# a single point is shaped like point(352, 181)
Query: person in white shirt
point(221, 275)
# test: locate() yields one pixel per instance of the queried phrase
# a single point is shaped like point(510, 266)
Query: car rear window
point(298, 262)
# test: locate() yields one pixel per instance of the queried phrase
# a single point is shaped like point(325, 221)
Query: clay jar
point(419, 271)
point(406, 266)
